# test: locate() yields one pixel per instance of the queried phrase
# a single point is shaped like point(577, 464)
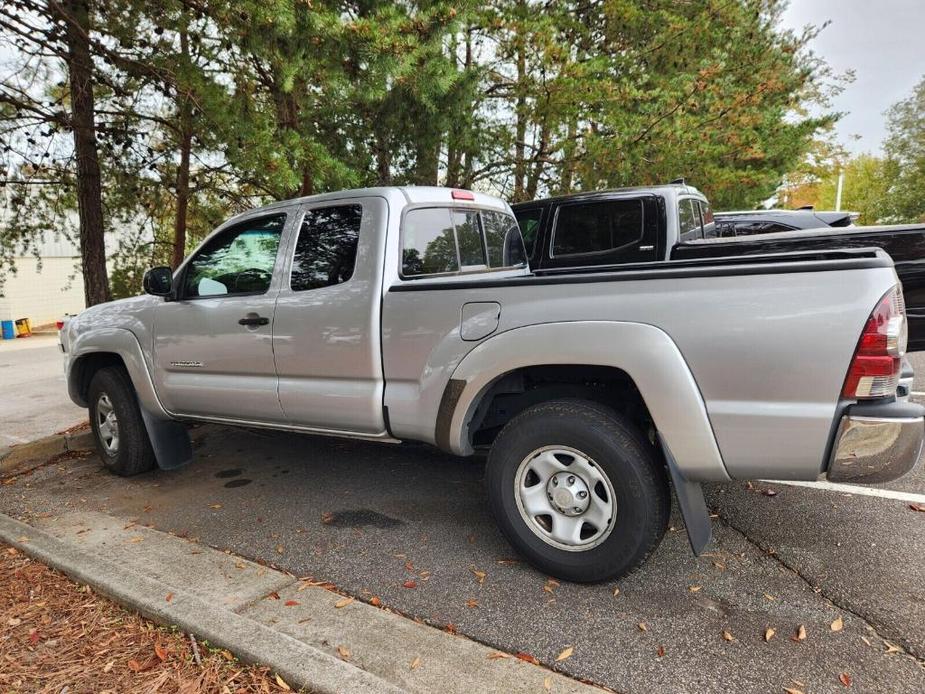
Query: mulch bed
point(58, 637)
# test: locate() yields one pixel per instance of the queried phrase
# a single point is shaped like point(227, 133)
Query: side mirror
point(158, 281)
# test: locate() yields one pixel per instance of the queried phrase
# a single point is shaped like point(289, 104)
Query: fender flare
point(123, 343)
point(645, 352)
point(169, 438)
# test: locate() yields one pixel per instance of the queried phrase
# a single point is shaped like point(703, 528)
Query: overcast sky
point(883, 41)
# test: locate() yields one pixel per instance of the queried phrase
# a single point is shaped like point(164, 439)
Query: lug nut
point(582, 494)
point(555, 482)
point(571, 479)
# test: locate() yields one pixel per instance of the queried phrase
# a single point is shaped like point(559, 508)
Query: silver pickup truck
point(411, 314)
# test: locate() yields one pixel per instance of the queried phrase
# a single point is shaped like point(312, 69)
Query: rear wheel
point(119, 430)
point(577, 490)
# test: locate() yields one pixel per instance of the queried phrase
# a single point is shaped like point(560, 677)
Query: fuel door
point(479, 319)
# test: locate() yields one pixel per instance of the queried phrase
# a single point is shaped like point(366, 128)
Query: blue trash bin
point(9, 329)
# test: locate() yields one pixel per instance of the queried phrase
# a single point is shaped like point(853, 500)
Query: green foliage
point(905, 151)
point(866, 189)
point(205, 109)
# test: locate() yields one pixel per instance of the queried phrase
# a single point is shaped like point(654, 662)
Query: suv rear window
point(597, 227)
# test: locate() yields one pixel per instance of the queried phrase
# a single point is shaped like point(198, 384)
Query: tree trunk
point(186, 143)
point(520, 110)
point(75, 16)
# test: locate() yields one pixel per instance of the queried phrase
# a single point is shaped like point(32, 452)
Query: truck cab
point(627, 225)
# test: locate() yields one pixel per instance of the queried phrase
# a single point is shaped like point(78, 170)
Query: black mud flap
point(693, 505)
point(170, 441)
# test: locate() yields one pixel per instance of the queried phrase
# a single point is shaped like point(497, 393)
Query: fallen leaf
point(550, 585)
point(108, 666)
point(770, 492)
point(282, 683)
point(917, 507)
point(727, 636)
point(768, 596)
point(14, 621)
point(800, 634)
point(769, 634)
point(791, 690)
point(838, 624)
point(375, 601)
point(280, 549)
point(694, 589)
point(168, 597)
point(845, 679)
point(479, 575)
point(520, 655)
point(134, 665)
point(34, 636)
point(215, 506)
point(616, 591)
point(416, 663)
point(642, 626)
point(344, 652)
point(890, 648)
point(227, 655)
point(135, 540)
point(497, 655)
point(292, 603)
point(547, 683)
point(343, 602)
point(567, 653)
point(472, 602)
point(410, 584)
point(327, 517)
point(450, 628)
point(160, 652)
point(273, 596)
point(660, 652)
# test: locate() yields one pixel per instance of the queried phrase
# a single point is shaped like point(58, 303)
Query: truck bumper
point(877, 442)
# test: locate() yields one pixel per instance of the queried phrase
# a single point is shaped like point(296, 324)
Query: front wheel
point(577, 490)
point(119, 430)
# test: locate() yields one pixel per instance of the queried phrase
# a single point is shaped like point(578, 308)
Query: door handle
point(254, 320)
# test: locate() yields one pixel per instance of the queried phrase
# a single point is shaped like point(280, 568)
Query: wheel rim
point(107, 425)
point(565, 498)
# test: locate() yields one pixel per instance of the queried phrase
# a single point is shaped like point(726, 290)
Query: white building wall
point(43, 295)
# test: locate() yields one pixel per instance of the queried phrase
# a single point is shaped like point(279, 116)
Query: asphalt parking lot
point(370, 518)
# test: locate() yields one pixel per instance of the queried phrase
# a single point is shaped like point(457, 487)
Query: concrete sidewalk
point(312, 636)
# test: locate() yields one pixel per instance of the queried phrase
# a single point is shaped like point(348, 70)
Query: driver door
point(213, 345)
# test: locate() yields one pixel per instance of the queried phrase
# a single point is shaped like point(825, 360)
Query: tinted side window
point(327, 247)
point(428, 242)
point(595, 227)
point(529, 221)
point(471, 250)
point(240, 260)
point(503, 239)
point(689, 220)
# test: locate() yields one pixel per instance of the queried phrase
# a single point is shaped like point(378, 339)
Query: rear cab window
point(689, 223)
point(450, 240)
point(599, 232)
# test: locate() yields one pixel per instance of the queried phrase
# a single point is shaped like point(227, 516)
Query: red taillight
point(463, 195)
point(875, 369)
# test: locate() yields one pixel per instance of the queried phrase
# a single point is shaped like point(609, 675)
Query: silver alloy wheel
point(565, 498)
point(107, 424)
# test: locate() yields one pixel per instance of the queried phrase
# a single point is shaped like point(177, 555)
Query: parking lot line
point(855, 489)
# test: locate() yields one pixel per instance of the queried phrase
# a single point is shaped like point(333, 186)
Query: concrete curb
point(295, 661)
point(30, 455)
point(313, 637)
